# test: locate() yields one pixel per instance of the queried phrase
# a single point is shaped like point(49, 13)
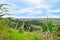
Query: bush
point(21, 31)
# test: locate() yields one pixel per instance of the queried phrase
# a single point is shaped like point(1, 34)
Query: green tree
point(47, 29)
point(3, 10)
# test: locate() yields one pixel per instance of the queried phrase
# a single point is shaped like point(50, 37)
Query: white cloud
point(24, 10)
point(43, 6)
point(29, 11)
point(26, 16)
point(32, 1)
point(37, 3)
point(54, 11)
point(56, 0)
point(7, 16)
point(32, 16)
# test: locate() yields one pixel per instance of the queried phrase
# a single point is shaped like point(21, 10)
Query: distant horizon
point(31, 17)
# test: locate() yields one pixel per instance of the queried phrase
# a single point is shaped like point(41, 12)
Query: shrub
point(21, 31)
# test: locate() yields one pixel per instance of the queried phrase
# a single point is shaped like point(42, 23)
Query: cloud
point(28, 10)
point(25, 13)
point(56, 0)
point(36, 3)
point(32, 16)
point(54, 11)
point(32, 1)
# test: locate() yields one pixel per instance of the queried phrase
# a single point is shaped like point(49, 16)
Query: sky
point(33, 8)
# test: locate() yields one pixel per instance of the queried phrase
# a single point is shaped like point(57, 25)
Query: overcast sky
point(33, 8)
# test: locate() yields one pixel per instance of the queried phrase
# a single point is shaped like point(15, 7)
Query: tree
point(3, 10)
point(17, 21)
point(47, 28)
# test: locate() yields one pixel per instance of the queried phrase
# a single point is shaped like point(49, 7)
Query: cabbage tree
point(47, 29)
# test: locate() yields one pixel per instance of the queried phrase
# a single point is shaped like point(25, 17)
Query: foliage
point(3, 10)
point(47, 26)
point(50, 26)
point(21, 31)
point(9, 33)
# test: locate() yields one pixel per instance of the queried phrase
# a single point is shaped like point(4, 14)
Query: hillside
point(7, 33)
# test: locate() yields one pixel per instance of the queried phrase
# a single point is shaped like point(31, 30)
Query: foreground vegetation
point(10, 32)
point(7, 33)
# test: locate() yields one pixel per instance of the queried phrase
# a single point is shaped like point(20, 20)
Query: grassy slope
point(7, 33)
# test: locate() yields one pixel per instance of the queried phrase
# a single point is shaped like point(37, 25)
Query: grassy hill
point(7, 33)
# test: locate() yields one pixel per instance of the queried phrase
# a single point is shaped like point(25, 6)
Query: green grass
point(7, 33)
point(13, 35)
